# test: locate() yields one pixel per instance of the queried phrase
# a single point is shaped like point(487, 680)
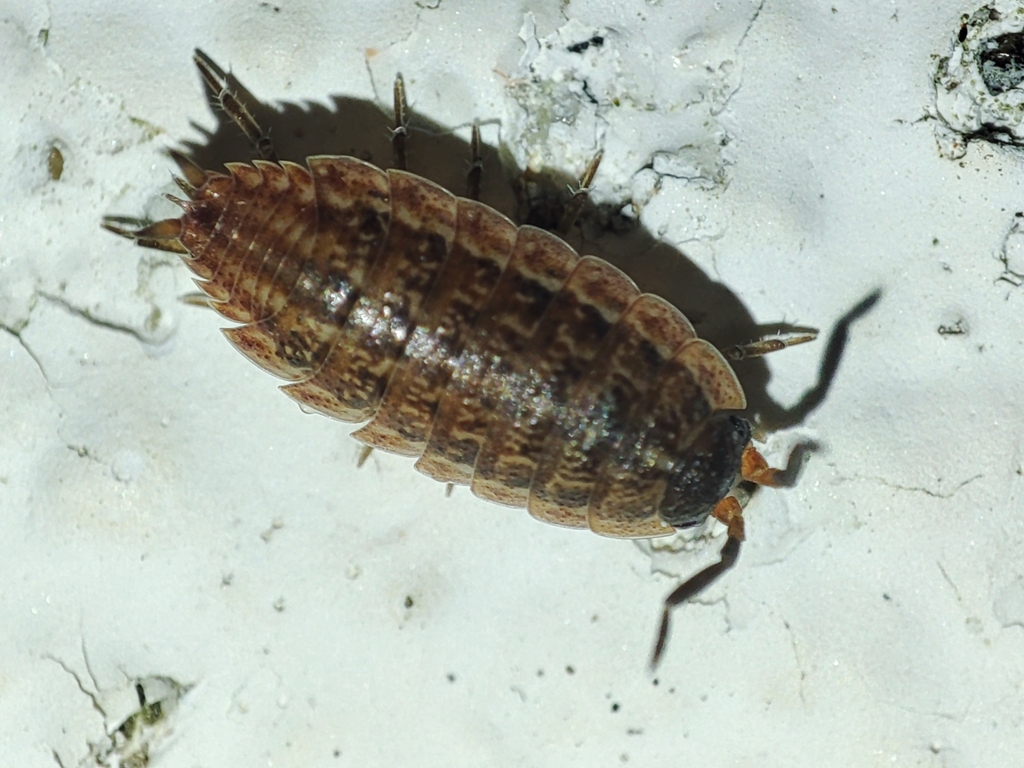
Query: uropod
point(493, 353)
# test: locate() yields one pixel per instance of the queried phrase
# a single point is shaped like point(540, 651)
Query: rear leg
point(579, 196)
point(476, 165)
point(400, 132)
point(364, 455)
point(217, 81)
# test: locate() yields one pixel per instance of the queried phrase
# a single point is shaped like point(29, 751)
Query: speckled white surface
point(166, 514)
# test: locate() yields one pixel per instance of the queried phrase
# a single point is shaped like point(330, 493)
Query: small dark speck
point(570, 670)
point(885, 596)
point(597, 41)
point(959, 328)
point(409, 601)
point(337, 753)
point(935, 241)
point(55, 163)
point(451, 677)
point(274, 8)
point(615, 707)
point(540, 673)
point(654, 681)
point(634, 731)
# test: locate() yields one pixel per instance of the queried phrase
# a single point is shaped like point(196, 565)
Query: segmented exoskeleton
point(493, 353)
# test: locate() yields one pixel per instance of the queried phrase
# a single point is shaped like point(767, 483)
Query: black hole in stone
point(1002, 61)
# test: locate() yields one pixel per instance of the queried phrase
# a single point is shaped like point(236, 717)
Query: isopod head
point(705, 474)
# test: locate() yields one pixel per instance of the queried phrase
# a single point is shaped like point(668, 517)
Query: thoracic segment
point(494, 353)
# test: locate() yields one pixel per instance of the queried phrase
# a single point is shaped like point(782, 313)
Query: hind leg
point(217, 81)
point(579, 196)
point(476, 165)
point(400, 132)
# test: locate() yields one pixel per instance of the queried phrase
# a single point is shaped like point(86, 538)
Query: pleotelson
point(493, 353)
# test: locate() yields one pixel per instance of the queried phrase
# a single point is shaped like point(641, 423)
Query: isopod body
point(494, 353)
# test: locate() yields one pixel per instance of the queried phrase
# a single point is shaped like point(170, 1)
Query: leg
point(579, 197)
point(755, 469)
point(693, 586)
point(400, 131)
point(729, 512)
point(364, 454)
point(476, 165)
point(195, 177)
point(766, 346)
point(217, 81)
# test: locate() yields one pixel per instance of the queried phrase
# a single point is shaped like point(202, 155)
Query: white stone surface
point(165, 515)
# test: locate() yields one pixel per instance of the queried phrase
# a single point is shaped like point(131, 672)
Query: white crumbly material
point(977, 96)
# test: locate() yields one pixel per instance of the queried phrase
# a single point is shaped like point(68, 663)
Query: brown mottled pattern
point(484, 373)
point(558, 355)
point(261, 341)
point(200, 223)
point(296, 259)
point(271, 290)
point(481, 249)
point(269, 241)
point(355, 373)
point(494, 353)
point(225, 244)
point(326, 272)
point(714, 376)
point(599, 409)
point(267, 199)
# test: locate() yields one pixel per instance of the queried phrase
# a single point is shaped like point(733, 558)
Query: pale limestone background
point(169, 520)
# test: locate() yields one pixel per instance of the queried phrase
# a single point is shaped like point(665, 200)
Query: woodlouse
point(493, 353)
